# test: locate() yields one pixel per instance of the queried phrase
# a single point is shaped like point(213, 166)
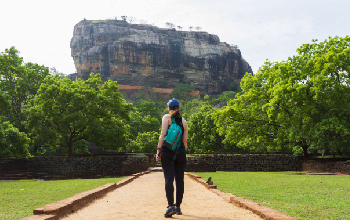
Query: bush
point(145, 143)
point(12, 142)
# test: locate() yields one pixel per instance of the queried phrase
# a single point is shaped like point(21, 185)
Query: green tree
point(182, 92)
point(222, 99)
point(145, 142)
point(63, 113)
point(234, 86)
point(299, 103)
point(19, 82)
point(54, 71)
point(203, 134)
point(169, 25)
point(12, 142)
point(151, 108)
point(191, 107)
point(5, 105)
point(142, 123)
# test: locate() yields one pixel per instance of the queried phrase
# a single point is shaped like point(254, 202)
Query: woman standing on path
point(173, 168)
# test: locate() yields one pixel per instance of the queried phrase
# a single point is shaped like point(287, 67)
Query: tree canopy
point(64, 113)
point(12, 142)
point(19, 82)
point(301, 103)
point(203, 136)
point(182, 92)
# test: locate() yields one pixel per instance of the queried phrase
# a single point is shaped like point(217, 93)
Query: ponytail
point(175, 113)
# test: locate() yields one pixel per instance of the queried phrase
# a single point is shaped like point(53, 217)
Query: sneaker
point(170, 211)
point(178, 211)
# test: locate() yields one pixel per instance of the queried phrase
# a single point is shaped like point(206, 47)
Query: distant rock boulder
point(145, 55)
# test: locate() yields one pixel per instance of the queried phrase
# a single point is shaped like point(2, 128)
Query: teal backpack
point(174, 137)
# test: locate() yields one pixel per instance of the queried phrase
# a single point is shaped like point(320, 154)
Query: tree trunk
point(326, 152)
point(282, 149)
point(35, 149)
point(70, 150)
point(339, 152)
point(305, 147)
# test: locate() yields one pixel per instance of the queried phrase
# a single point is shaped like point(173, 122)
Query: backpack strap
point(177, 150)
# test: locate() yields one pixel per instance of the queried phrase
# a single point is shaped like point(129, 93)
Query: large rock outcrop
point(144, 55)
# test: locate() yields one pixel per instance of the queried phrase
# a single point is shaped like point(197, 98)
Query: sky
point(263, 29)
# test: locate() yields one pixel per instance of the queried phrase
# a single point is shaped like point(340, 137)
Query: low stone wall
point(151, 159)
point(62, 167)
point(97, 166)
point(328, 165)
point(12, 166)
point(242, 162)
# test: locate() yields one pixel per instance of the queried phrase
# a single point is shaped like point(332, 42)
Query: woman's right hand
point(158, 156)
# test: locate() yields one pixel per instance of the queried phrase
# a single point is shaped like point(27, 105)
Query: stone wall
point(242, 162)
point(73, 167)
point(125, 164)
point(328, 165)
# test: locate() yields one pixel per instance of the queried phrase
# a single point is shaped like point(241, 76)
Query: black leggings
point(173, 170)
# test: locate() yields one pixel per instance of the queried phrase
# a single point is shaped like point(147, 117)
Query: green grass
point(19, 198)
point(300, 196)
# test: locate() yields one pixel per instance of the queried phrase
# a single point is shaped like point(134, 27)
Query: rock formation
point(145, 55)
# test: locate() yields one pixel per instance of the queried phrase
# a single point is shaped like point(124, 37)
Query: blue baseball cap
point(173, 103)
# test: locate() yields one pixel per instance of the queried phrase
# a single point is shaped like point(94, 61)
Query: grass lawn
point(300, 196)
point(19, 198)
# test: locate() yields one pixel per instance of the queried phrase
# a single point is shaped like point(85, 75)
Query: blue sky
point(270, 29)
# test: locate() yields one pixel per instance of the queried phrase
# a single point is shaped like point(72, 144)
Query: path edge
point(67, 206)
point(262, 211)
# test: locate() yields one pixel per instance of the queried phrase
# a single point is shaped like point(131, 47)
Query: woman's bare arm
point(185, 135)
point(162, 135)
point(165, 125)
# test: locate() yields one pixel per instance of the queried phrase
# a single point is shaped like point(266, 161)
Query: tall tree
point(20, 81)
point(145, 142)
point(169, 25)
point(299, 103)
point(5, 104)
point(182, 92)
point(150, 108)
point(142, 123)
point(131, 19)
point(203, 134)
point(65, 112)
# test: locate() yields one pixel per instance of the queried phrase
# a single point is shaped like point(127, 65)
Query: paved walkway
point(144, 198)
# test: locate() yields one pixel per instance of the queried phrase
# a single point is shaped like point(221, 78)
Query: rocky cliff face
point(144, 55)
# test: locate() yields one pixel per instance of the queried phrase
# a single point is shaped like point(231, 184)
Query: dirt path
point(144, 198)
